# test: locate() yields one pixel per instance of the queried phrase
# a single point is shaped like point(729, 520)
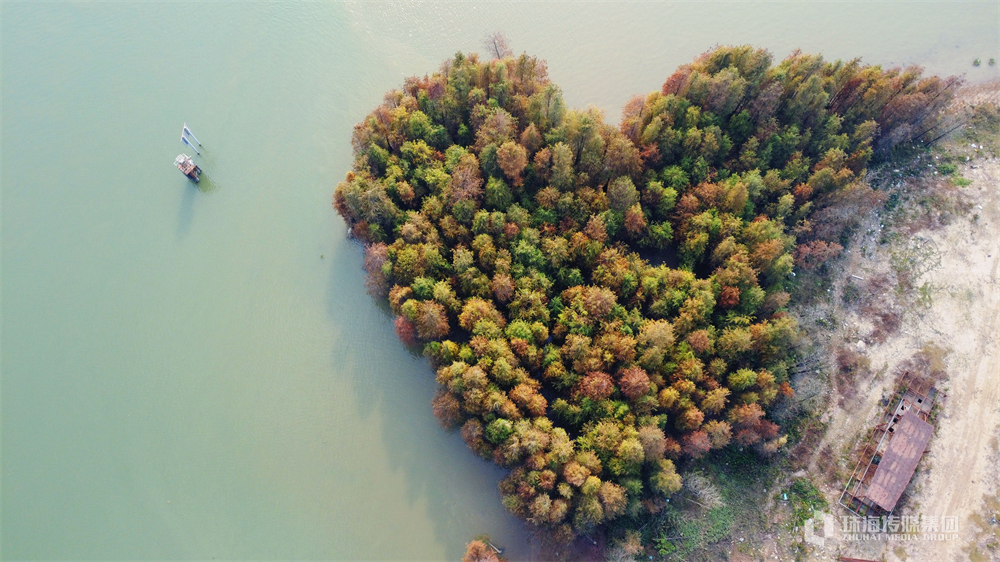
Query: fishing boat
point(184, 162)
point(188, 167)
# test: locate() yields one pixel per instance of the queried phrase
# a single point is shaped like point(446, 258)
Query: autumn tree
point(497, 46)
point(513, 239)
point(512, 158)
point(481, 551)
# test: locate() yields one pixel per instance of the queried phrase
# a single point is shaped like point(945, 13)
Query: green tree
point(504, 230)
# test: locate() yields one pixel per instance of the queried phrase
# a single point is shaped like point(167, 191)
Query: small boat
point(188, 167)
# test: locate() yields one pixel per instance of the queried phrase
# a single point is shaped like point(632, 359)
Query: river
point(198, 373)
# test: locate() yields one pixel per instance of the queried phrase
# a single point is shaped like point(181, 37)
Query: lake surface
point(199, 373)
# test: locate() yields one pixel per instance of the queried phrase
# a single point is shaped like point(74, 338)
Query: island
point(606, 305)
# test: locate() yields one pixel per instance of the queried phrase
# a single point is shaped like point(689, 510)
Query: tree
point(665, 480)
point(512, 158)
point(598, 301)
point(747, 415)
point(466, 182)
point(476, 310)
point(621, 157)
point(635, 221)
point(447, 409)
point(498, 126)
point(742, 379)
point(589, 513)
point(626, 549)
point(497, 46)
point(613, 499)
point(562, 175)
point(690, 418)
point(504, 231)
point(719, 432)
point(503, 287)
point(715, 400)
point(431, 321)
point(531, 139)
point(697, 443)
point(596, 385)
point(405, 331)
point(729, 297)
point(814, 254)
point(376, 256)
point(634, 382)
point(700, 341)
point(622, 194)
point(630, 451)
point(653, 442)
point(497, 194)
point(575, 473)
point(480, 551)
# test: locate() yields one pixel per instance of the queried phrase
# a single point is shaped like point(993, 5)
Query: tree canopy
point(510, 235)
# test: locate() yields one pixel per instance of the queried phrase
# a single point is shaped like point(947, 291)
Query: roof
point(908, 443)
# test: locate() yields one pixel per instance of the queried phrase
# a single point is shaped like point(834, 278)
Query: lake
point(198, 372)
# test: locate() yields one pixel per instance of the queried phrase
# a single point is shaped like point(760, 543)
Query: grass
point(687, 531)
point(947, 169)
point(983, 129)
point(912, 261)
point(925, 295)
point(892, 201)
point(688, 535)
point(805, 498)
point(851, 293)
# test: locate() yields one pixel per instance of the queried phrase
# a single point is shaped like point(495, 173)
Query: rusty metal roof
point(909, 440)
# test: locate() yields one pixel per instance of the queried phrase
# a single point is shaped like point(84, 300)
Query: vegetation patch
point(508, 233)
point(804, 499)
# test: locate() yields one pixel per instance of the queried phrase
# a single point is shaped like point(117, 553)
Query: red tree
point(729, 297)
point(405, 331)
point(596, 386)
point(815, 253)
point(634, 382)
point(696, 443)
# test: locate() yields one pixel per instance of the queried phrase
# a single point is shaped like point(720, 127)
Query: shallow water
point(198, 373)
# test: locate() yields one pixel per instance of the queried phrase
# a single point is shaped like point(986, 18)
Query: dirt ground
point(966, 321)
point(930, 299)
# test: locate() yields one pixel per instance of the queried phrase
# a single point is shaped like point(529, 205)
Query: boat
point(184, 162)
point(187, 167)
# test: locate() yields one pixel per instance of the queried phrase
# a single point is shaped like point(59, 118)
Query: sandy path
point(966, 320)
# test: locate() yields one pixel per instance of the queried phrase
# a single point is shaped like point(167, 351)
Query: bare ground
point(929, 300)
point(966, 321)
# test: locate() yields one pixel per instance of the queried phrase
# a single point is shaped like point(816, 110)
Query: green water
point(199, 374)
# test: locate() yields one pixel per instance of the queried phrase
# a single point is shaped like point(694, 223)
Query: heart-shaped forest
point(603, 304)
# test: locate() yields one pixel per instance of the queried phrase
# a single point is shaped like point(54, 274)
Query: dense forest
point(601, 303)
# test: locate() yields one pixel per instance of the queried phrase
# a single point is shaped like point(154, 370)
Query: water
point(192, 374)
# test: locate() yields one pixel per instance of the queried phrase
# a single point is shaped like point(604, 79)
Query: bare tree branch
point(497, 46)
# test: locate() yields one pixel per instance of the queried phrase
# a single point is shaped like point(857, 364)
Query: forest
point(603, 303)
